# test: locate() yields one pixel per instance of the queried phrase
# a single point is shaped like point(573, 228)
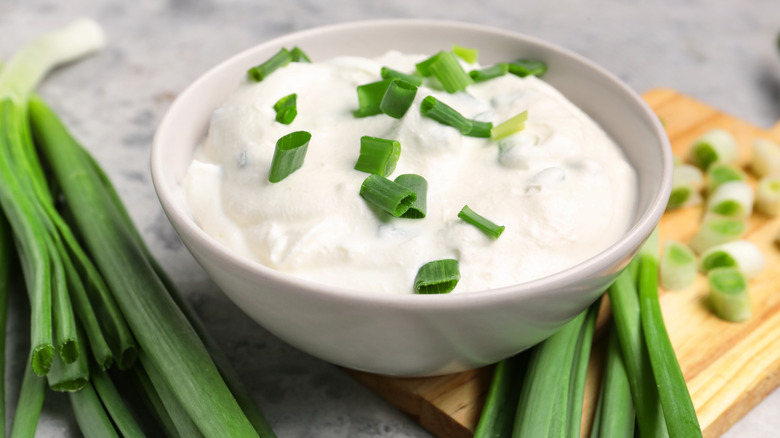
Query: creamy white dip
point(561, 187)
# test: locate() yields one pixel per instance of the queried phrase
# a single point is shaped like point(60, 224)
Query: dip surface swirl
point(561, 187)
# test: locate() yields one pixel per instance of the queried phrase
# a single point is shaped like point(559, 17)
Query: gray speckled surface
point(722, 53)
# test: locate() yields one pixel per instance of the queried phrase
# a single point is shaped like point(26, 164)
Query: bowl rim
point(632, 239)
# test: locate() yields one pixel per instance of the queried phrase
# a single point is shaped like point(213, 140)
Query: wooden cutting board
point(729, 367)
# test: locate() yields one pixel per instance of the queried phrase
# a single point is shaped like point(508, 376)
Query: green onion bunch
point(102, 312)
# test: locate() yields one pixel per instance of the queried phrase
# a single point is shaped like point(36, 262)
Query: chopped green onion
point(378, 155)
point(768, 195)
point(492, 72)
point(275, 62)
point(717, 145)
point(424, 67)
point(729, 294)
point(445, 114)
point(398, 98)
point(465, 53)
point(437, 277)
point(715, 230)
point(370, 98)
point(71, 376)
point(678, 410)
point(527, 67)
point(721, 173)
point(766, 157)
point(486, 226)
point(510, 126)
point(732, 199)
point(387, 195)
point(299, 55)
point(686, 186)
point(388, 73)
point(677, 266)
point(419, 186)
point(742, 254)
point(447, 69)
point(286, 109)
point(288, 155)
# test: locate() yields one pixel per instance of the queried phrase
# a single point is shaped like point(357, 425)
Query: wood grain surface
point(729, 367)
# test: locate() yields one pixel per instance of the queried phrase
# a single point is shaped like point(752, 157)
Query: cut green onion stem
point(485, 225)
point(465, 53)
point(288, 155)
point(729, 294)
point(510, 126)
point(299, 55)
point(717, 145)
point(742, 254)
point(715, 230)
point(370, 98)
point(447, 69)
point(286, 109)
point(388, 73)
point(437, 277)
point(721, 173)
point(492, 72)
point(417, 184)
point(398, 97)
point(275, 62)
point(445, 114)
point(677, 266)
point(378, 155)
point(527, 67)
point(732, 199)
point(387, 195)
point(424, 67)
point(768, 195)
point(686, 186)
point(765, 159)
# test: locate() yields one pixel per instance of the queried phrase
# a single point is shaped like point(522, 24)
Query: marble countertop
point(723, 53)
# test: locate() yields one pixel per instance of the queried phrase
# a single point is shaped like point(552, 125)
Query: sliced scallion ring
point(388, 73)
point(485, 74)
point(447, 69)
point(717, 145)
point(445, 114)
point(485, 225)
point(417, 184)
point(398, 97)
point(437, 277)
point(288, 155)
point(378, 155)
point(677, 266)
point(510, 126)
point(729, 295)
point(286, 109)
point(278, 60)
point(387, 195)
point(527, 67)
point(741, 254)
point(424, 67)
point(732, 199)
point(465, 53)
point(370, 98)
point(715, 230)
point(298, 55)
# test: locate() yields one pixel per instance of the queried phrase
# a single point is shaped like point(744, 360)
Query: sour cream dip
point(561, 187)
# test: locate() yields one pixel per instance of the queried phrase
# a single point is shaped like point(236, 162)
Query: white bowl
point(416, 335)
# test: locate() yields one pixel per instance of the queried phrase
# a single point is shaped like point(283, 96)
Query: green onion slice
point(278, 60)
point(424, 67)
point(299, 55)
point(387, 195)
point(378, 155)
point(716, 230)
point(510, 126)
point(445, 114)
point(527, 67)
point(729, 295)
point(677, 266)
point(484, 225)
point(447, 69)
point(733, 199)
point(370, 98)
point(768, 195)
point(721, 173)
point(465, 53)
point(765, 159)
point(717, 145)
point(286, 109)
point(288, 155)
point(388, 73)
point(686, 183)
point(398, 97)
point(437, 277)
point(488, 73)
point(742, 254)
point(419, 186)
